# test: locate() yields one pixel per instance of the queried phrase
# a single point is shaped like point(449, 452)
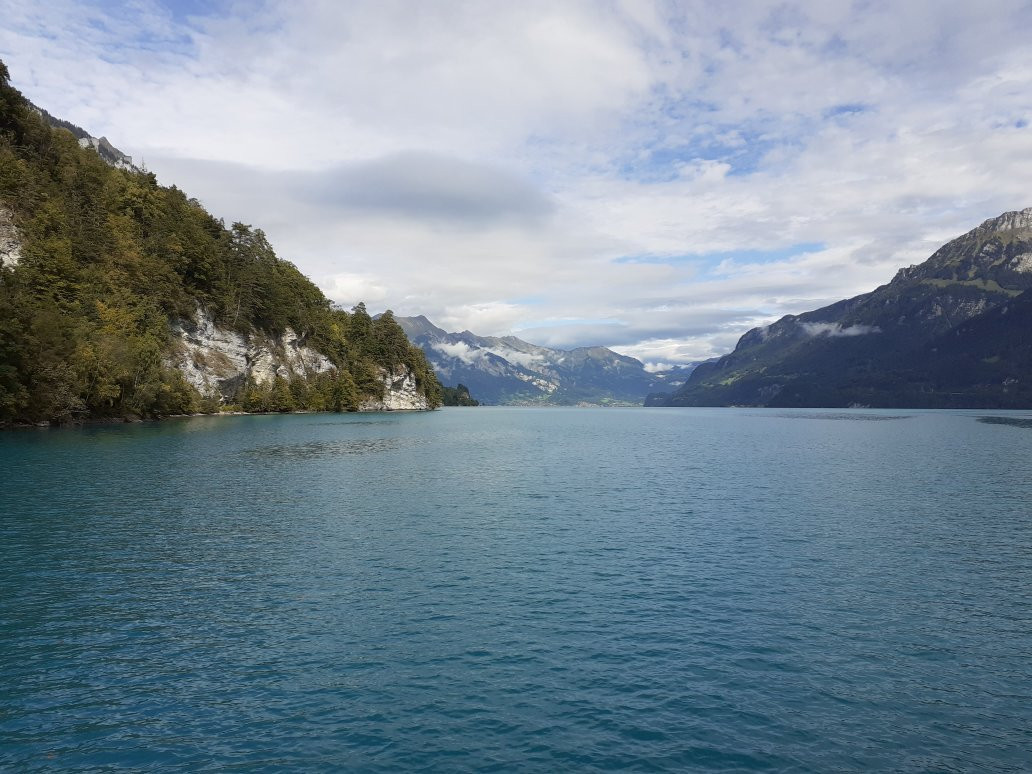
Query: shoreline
point(135, 420)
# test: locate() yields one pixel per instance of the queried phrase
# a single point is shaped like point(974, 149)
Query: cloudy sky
point(657, 177)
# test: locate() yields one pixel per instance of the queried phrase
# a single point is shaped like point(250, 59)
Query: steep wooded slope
point(102, 268)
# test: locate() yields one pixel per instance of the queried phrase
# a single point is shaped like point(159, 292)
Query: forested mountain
point(508, 370)
point(953, 331)
point(458, 396)
point(121, 297)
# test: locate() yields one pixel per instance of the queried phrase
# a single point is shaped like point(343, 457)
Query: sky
point(656, 177)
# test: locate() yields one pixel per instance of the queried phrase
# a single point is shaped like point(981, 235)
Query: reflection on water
point(845, 416)
point(352, 422)
point(1011, 421)
point(318, 449)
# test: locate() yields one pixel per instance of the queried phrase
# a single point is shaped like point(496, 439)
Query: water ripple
point(518, 590)
point(858, 416)
point(1024, 422)
point(315, 449)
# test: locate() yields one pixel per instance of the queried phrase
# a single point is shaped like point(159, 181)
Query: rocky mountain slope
point(952, 331)
point(100, 145)
point(508, 370)
point(123, 298)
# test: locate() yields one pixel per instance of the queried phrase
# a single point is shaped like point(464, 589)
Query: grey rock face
point(217, 361)
point(1019, 220)
point(10, 242)
point(400, 392)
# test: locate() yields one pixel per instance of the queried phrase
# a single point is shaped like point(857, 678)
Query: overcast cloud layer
point(655, 177)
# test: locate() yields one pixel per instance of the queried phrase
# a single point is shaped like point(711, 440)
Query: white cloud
point(529, 360)
point(460, 350)
point(488, 165)
point(835, 330)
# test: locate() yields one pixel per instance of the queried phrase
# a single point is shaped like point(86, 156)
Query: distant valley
point(509, 371)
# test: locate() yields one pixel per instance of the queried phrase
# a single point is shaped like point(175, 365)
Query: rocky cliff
point(10, 241)
point(401, 392)
point(218, 362)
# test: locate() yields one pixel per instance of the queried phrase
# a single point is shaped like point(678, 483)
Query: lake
point(525, 589)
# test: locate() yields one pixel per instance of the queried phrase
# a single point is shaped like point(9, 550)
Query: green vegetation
point(458, 396)
point(109, 258)
point(989, 285)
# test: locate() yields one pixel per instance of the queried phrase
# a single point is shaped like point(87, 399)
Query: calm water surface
point(520, 589)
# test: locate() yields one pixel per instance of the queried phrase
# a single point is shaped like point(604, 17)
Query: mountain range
point(954, 331)
point(509, 371)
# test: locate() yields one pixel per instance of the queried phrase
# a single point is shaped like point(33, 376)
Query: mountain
point(950, 332)
point(123, 298)
point(102, 146)
point(508, 370)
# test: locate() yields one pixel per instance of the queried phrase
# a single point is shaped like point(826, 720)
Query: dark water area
point(499, 589)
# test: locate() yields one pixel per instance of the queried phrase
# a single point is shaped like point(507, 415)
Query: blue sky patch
point(709, 261)
point(741, 147)
point(181, 10)
point(846, 109)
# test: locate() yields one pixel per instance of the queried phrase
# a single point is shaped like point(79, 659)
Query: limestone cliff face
point(10, 242)
point(400, 393)
point(217, 362)
point(109, 153)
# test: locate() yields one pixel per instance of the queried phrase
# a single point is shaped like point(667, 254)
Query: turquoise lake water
point(520, 589)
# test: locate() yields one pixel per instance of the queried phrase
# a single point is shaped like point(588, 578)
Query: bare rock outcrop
point(217, 361)
point(400, 392)
point(10, 242)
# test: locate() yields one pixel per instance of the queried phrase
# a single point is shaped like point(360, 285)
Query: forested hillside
point(107, 260)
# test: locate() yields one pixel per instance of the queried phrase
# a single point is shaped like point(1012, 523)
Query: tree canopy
point(109, 258)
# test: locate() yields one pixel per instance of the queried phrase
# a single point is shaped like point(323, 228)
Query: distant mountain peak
point(1017, 220)
point(415, 327)
point(990, 254)
point(937, 335)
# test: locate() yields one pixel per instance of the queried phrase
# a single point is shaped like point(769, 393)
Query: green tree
point(279, 397)
point(110, 258)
